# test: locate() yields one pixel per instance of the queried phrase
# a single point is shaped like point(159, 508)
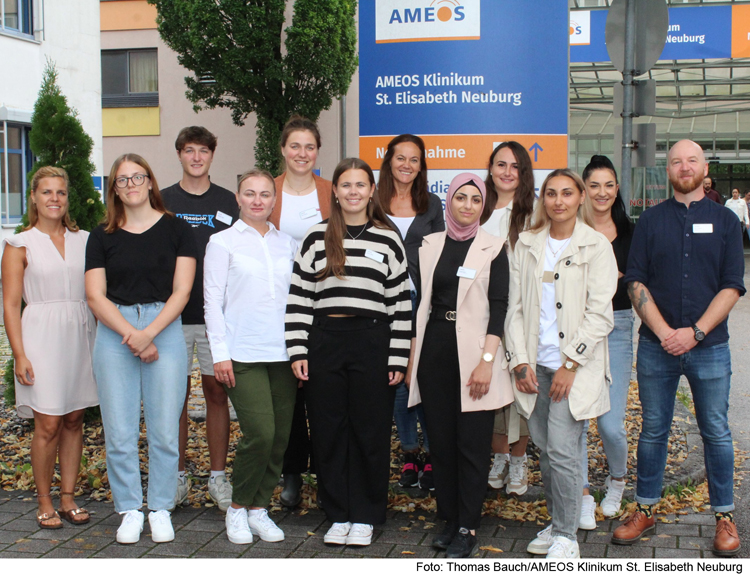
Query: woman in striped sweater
point(348, 326)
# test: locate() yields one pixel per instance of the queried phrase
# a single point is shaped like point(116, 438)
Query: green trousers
point(263, 398)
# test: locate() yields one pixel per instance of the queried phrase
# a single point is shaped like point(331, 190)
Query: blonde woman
point(53, 340)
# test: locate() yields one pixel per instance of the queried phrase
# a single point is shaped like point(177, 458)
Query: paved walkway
point(199, 532)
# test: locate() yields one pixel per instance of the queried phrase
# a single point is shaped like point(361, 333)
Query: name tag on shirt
point(309, 213)
point(225, 218)
point(466, 272)
point(374, 255)
point(703, 228)
point(548, 277)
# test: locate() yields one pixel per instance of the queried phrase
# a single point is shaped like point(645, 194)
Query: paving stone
point(525, 533)
point(222, 544)
point(634, 551)
point(399, 551)
point(265, 553)
point(597, 537)
point(122, 551)
point(214, 554)
point(675, 553)
point(188, 537)
point(504, 544)
point(6, 554)
point(175, 549)
point(89, 542)
point(316, 543)
point(411, 537)
point(65, 533)
point(678, 529)
point(17, 506)
point(6, 517)
point(98, 531)
point(663, 541)
point(25, 524)
point(376, 550)
point(33, 546)
point(201, 525)
point(113, 519)
point(696, 518)
point(592, 550)
point(695, 543)
point(68, 553)
point(11, 536)
point(290, 544)
point(298, 531)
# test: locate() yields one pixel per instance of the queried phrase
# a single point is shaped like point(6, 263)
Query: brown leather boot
point(635, 527)
point(726, 541)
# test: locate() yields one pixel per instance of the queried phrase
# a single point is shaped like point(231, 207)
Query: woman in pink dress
point(52, 341)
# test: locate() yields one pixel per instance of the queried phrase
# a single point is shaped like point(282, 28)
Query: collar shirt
point(246, 278)
point(739, 207)
point(685, 256)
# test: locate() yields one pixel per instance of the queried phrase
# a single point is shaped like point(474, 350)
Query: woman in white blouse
point(246, 277)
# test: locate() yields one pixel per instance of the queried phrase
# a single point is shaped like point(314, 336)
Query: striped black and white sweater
point(376, 285)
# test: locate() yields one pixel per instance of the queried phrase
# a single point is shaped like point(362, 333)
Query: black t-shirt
point(211, 212)
point(140, 267)
point(621, 248)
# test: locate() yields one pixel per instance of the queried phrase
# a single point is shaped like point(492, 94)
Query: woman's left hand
point(395, 377)
point(479, 382)
point(137, 341)
point(562, 382)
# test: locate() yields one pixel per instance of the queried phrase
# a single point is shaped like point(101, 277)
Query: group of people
point(350, 303)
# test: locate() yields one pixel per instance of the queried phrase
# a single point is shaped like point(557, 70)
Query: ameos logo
point(580, 27)
point(401, 21)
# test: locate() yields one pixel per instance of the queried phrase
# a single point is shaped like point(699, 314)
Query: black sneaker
point(464, 545)
point(427, 480)
point(410, 472)
point(443, 540)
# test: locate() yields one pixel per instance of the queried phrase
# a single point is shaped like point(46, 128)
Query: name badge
point(466, 272)
point(548, 277)
point(309, 213)
point(225, 218)
point(374, 255)
point(703, 228)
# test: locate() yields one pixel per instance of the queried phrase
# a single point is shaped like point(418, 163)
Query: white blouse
point(246, 278)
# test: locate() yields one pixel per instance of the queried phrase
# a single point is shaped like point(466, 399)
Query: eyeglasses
point(137, 179)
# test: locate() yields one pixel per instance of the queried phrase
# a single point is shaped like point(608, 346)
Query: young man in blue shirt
point(685, 273)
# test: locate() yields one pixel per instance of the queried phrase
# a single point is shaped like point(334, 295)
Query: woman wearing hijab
point(462, 300)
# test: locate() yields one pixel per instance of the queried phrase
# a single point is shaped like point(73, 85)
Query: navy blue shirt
point(685, 256)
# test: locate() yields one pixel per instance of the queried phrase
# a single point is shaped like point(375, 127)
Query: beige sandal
point(46, 517)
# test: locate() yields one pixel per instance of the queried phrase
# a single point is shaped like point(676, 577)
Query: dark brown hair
point(336, 229)
point(420, 196)
point(115, 217)
point(45, 173)
point(297, 122)
point(195, 134)
point(523, 199)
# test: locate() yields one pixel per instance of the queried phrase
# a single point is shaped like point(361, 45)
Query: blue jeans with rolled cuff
point(124, 382)
point(708, 371)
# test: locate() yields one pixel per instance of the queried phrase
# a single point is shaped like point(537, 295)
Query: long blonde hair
point(46, 173)
point(541, 219)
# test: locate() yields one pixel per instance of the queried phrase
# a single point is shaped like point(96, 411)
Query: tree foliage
point(242, 58)
point(57, 138)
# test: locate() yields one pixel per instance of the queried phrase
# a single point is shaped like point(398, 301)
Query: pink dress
point(58, 329)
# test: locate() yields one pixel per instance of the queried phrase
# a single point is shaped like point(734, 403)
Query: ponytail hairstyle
point(336, 229)
point(523, 199)
point(623, 224)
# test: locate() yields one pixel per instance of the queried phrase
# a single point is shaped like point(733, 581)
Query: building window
point(130, 78)
point(18, 15)
point(15, 162)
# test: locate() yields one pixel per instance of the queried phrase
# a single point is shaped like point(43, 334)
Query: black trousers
point(459, 441)
point(350, 406)
point(298, 450)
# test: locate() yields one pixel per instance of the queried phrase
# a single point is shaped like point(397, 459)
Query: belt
point(443, 313)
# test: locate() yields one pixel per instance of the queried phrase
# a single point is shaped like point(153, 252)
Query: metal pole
point(342, 125)
point(626, 180)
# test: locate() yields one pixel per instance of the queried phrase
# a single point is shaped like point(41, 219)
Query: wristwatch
point(571, 365)
point(699, 334)
point(488, 358)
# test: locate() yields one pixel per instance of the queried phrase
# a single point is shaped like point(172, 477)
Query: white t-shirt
point(298, 214)
point(548, 351)
point(403, 225)
point(499, 223)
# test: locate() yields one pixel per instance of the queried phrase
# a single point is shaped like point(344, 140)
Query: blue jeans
point(709, 371)
point(406, 417)
point(124, 381)
point(612, 424)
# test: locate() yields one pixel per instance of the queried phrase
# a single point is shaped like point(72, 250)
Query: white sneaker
point(238, 529)
point(337, 533)
point(359, 535)
point(183, 488)
point(563, 548)
point(587, 520)
point(542, 542)
point(131, 527)
point(264, 526)
point(220, 492)
point(161, 526)
point(612, 502)
point(499, 472)
point(518, 476)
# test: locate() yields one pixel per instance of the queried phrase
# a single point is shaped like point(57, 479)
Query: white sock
point(517, 460)
point(231, 509)
point(215, 474)
point(180, 474)
point(502, 455)
point(254, 512)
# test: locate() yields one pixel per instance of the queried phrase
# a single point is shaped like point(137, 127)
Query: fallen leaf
point(490, 548)
point(407, 552)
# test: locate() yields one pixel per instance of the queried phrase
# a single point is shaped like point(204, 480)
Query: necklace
point(359, 235)
point(555, 253)
point(286, 181)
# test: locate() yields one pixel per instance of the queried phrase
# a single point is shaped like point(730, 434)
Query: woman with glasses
point(140, 265)
point(52, 341)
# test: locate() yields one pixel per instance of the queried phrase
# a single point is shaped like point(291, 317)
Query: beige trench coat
point(585, 282)
point(472, 317)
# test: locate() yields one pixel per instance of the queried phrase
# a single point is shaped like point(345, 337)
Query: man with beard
point(685, 273)
point(708, 189)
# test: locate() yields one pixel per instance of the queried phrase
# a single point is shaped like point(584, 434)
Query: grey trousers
point(557, 434)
